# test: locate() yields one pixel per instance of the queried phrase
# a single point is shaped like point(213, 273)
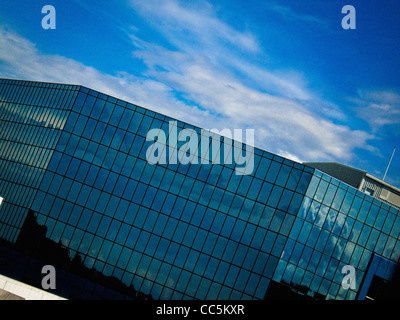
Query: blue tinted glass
point(88, 105)
point(285, 200)
point(273, 171)
point(320, 192)
point(108, 135)
point(275, 196)
point(283, 175)
point(79, 101)
point(97, 108)
point(340, 193)
point(107, 111)
point(312, 186)
point(304, 182)
point(80, 125)
point(278, 246)
point(293, 179)
point(329, 195)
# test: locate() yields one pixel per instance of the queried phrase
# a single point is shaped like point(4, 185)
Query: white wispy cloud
point(195, 23)
point(203, 78)
point(213, 73)
point(20, 59)
point(288, 13)
point(379, 108)
point(195, 30)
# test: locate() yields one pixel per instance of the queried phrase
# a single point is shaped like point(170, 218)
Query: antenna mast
point(389, 163)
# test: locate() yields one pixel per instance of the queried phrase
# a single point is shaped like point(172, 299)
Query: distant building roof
point(361, 180)
point(349, 175)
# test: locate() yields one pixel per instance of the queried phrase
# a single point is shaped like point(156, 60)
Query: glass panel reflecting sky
point(77, 158)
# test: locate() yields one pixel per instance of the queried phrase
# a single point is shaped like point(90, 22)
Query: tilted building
point(79, 193)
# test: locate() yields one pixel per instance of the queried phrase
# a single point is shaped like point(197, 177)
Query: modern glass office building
point(78, 193)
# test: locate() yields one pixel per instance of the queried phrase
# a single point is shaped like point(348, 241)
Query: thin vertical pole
point(389, 163)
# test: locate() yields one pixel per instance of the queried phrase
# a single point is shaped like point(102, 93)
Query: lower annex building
point(77, 192)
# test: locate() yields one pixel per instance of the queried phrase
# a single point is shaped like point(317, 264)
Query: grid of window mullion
point(24, 114)
point(59, 116)
point(44, 158)
point(207, 205)
point(8, 188)
point(7, 169)
point(69, 100)
point(10, 131)
point(13, 150)
point(15, 219)
point(3, 228)
point(14, 131)
point(6, 131)
point(5, 165)
point(22, 94)
point(14, 116)
point(35, 134)
point(38, 96)
point(63, 119)
point(2, 110)
point(11, 93)
point(52, 143)
point(9, 214)
point(2, 169)
point(323, 254)
point(8, 110)
point(5, 111)
point(27, 135)
point(61, 99)
point(28, 176)
point(43, 115)
point(43, 97)
point(170, 241)
point(51, 94)
point(16, 147)
point(4, 90)
point(8, 231)
point(55, 99)
point(14, 93)
point(31, 95)
point(23, 133)
point(10, 150)
point(25, 95)
point(56, 118)
point(49, 117)
point(17, 178)
point(47, 138)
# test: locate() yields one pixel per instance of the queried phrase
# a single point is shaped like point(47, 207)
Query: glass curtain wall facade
point(32, 117)
point(76, 158)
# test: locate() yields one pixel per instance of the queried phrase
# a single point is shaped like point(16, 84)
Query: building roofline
point(365, 173)
point(48, 82)
point(334, 163)
point(382, 182)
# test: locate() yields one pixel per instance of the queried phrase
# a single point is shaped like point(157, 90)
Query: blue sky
point(312, 90)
